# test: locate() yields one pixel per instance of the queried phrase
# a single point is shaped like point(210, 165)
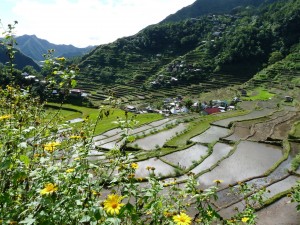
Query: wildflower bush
point(48, 177)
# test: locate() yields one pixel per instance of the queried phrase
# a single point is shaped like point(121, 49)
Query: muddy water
point(185, 158)
point(250, 159)
point(239, 133)
point(220, 150)
point(225, 196)
point(252, 115)
point(161, 168)
point(264, 130)
point(281, 186)
point(281, 130)
point(107, 140)
point(112, 132)
point(99, 137)
point(150, 142)
point(211, 135)
point(281, 212)
point(158, 123)
point(118, 131)
point(110, 145)
point(142, 130)
point(232, 210)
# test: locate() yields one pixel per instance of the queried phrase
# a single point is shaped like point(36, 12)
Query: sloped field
point(251, 149)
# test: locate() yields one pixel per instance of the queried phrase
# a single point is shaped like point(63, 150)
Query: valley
point(255, 144)
point(194, 120)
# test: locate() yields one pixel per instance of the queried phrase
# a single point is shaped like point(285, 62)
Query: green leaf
point(114, 221)
point(73, 83)
point(29, 220)
point(131, 138)
point(5, 165)
point(85, 219)
point(97, 214)
point(25, 159)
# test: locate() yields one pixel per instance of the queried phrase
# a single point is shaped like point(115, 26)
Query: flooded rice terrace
point(158, 140)
point(250, 157)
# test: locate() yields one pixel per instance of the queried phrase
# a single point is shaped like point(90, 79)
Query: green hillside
point(203, 7)
point(21, 60)
point(228, 48)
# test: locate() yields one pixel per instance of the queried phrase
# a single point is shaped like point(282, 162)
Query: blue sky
point(85, 22)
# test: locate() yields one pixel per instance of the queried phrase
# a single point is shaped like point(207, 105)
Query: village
point(180, 105)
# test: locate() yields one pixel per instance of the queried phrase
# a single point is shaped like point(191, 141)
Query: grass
point(297, 130)
point(106, 123)
point(258, 94)
point(296, 81)
point(64, 114)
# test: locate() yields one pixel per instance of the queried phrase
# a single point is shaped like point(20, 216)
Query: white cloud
point(90, 22)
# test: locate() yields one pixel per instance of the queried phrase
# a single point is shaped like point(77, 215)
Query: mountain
point(20, 59)
point(204, 7)
point(35, 48)
point(198, 49)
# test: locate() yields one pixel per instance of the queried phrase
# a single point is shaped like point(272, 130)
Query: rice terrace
point(193, 120)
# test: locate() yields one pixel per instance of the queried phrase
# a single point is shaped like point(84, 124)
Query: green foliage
point(204, 7)
point(296, 195)
point(295, 162)
point(194, 49)
point(258, 94)
point(47, 176)
point(8, 51)
point(275, 57)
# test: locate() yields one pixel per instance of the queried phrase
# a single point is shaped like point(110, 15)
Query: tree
point(275, 57)
point(188, 103)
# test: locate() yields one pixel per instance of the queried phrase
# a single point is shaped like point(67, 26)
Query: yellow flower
point(61, 59)
point(49, 189)
point(245, 219)
point(112, 204)
point(130, 176)
point(139, 179)
point(218, 181)
point(199, 220)
point(75, 137)
point(134, 166)
point(209, 213)
point(50, 147)
point(167, 214)
point(70, 170)
point(182, 219)
point(4, 117)
point(148, 168)
point(96, 193)
point(9, 88)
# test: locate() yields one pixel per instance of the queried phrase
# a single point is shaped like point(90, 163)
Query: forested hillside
point(20, 59)
point(203, 7)
point(192, 50)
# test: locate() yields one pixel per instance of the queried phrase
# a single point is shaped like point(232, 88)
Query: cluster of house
point(180, 65)
point(162, 80)
point(72, 93)
point(176, 67)
point(176, 106)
